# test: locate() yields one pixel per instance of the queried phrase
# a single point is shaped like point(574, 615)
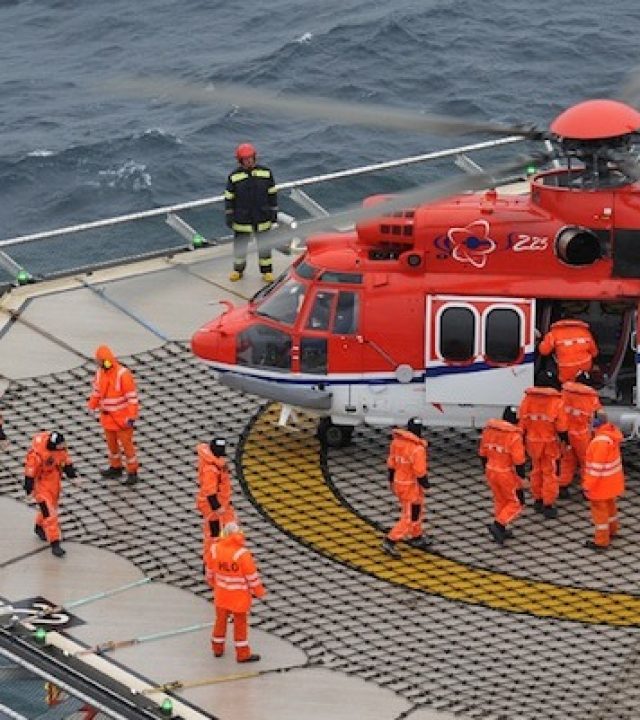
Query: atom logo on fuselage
point(471, 244)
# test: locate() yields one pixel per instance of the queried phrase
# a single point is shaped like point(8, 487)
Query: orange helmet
point(245, 150)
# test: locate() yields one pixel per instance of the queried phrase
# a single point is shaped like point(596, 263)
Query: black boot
point(111, 472)
point(421, 543)
point(538, 506)
point(131, 479)
point(497, 532)
point(39, 531)
point(549, 512)
point(57, 549)
point(564, 493)
point(254, 657)
point(389, 547)
point(593, 546)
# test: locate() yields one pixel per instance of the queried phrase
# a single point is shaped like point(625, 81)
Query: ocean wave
point(131, 175)
point(41, 153)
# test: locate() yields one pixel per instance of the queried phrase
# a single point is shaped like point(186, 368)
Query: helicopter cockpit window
point(313, 355)
point(347, 311)
point(283, 305)
point(320, 314)
point(457, 334)
point(331, 276)
point(503, 332)
point(262, 346)
point(306, 271)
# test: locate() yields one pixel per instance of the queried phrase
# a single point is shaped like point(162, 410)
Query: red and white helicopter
point(432, 307)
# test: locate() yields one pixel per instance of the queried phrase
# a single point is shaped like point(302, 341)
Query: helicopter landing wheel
point(334, 436)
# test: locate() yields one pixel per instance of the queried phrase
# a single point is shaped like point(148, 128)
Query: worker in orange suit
point(114, 395)
point(214, 492)
point(44, 465)
point(580, 403)
point(407, 466)
point(543, 421)
point(503, 458)
point(573, 346)
point(603, 481)
point(232, 573)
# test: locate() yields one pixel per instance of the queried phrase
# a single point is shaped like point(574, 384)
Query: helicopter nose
point(205, 343)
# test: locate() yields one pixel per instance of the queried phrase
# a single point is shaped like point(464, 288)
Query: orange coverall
point(603, 481)
point(214, 495)
point(232, 573)
point(114, 394)
point(580, 403)
point(573, 345)
point(503, 446)
point(46, 468)
point(542, 418)
point(408, 458)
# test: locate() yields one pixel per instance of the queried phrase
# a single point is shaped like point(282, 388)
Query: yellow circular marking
point(282, 473)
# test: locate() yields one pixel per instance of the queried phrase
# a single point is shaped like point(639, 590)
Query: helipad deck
point(542, 628)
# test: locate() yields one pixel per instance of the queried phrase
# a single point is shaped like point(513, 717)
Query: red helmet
point(246, 150)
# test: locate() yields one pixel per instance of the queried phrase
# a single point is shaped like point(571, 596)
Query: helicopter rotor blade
point(630, 91)
point(423, 194)
point(335, 111)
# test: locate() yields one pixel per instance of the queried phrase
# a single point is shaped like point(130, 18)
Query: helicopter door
point(329, 342)
point(479, 350)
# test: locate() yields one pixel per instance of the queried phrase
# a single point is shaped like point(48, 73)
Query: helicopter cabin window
point(331, 276)
point(320, 314)
point(283, 305)
point(503, 335)
point(313, 355)
point(263, 346)
point(457, 334)
point(347, 311)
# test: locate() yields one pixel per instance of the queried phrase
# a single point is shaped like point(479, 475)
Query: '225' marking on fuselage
point(526, 243)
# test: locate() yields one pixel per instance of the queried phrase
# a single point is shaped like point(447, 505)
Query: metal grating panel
point(353, 612)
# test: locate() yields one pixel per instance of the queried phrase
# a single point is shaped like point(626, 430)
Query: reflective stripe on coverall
point(114, 394)
point(603, 481)
point(541, 417)
point(214, 487)
point(235, 579)
point(573, 345)
point(45, 467)
point(408, 458)
point(580, 403)
point(502, 445)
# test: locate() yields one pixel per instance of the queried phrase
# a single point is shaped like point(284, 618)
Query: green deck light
point(40, 635)
point(531, 170)
point(23, 277)
point(198, 241)
point(167, 707)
